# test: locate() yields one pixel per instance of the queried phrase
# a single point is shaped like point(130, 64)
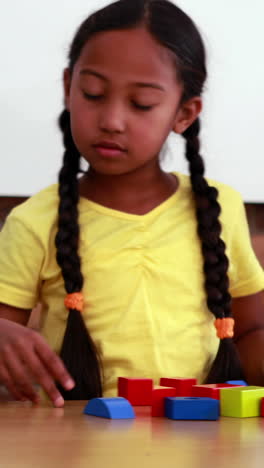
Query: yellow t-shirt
point(145, 304)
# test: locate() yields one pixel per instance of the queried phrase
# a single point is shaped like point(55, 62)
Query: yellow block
point(242, 402)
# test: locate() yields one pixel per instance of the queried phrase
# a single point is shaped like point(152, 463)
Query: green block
point(242, 402)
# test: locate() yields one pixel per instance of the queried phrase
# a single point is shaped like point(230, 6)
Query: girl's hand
point(26, 357)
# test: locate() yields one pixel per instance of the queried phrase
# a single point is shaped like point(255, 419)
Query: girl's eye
point(96, 97)
point(143, 108)
point(92, 97)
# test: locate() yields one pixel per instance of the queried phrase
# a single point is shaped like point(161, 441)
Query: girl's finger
point(7, 380)
point(54, 364)
point(19, 377)
point(42, 376)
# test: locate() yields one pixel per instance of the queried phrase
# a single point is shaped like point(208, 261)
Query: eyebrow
point(88, 71)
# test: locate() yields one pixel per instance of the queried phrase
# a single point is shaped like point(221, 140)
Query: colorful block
point(183, 386)
point(240, 383)
point(137, 391)
point(192, 408)
point(111, 408)
point(241, 402)
point(210, 390)
point(158, 399)
point(262, 408)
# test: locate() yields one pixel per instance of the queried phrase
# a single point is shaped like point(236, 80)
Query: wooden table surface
point(43, 436)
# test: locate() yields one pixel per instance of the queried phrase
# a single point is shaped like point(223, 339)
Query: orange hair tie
point(74, 301)
point(224, 327)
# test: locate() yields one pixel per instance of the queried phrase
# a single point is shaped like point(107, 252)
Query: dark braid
point(78, 351)
point(226, 365)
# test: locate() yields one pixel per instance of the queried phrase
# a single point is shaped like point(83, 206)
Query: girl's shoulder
point(226, 193)
point(40, 209)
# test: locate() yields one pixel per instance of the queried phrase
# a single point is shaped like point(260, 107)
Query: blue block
point(192, 408)
point(237, 382)
point(111, 408)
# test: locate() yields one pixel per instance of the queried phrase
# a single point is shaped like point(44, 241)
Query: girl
point(148, 259)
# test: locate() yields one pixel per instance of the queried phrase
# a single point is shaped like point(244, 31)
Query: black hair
point(172, 28)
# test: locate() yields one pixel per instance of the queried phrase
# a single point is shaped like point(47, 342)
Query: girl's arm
point(24, 355)
point(23, 316)
point(14, 313)
point(248, 313)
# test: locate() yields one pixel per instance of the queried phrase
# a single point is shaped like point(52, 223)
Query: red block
point(210, 391)
point(158, 399)
point(183, 386)
point(137, 391)
point(262, 408)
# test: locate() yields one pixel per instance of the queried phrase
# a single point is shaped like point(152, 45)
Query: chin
point(105, 169)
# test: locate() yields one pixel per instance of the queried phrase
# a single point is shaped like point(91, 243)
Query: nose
point(112, 117)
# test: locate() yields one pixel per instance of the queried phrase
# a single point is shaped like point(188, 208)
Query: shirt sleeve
point(21, 259)
point(245, 272)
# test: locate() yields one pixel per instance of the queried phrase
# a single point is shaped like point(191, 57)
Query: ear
point(187, 114)
point(67, 87)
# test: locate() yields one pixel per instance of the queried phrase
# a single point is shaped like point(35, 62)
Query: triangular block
point(237, 382)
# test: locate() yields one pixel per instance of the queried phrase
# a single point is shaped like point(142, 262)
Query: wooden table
point(43, 436)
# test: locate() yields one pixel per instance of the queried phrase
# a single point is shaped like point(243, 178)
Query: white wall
point(34, 41)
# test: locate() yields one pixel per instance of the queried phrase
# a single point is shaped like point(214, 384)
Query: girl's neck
point(136, 192)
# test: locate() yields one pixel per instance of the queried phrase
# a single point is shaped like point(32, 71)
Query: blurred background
point(35, 38)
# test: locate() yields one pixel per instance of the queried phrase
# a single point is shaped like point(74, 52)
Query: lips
point(109, 145)
point(109, 150)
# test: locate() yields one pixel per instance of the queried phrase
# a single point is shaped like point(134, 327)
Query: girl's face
point(124, 92)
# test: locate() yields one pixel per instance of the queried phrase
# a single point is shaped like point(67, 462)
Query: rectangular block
point(183, 386)
point(241, 402)
point(210, 390)
point(192, 408)
point(137, 391)
point(158, 399)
